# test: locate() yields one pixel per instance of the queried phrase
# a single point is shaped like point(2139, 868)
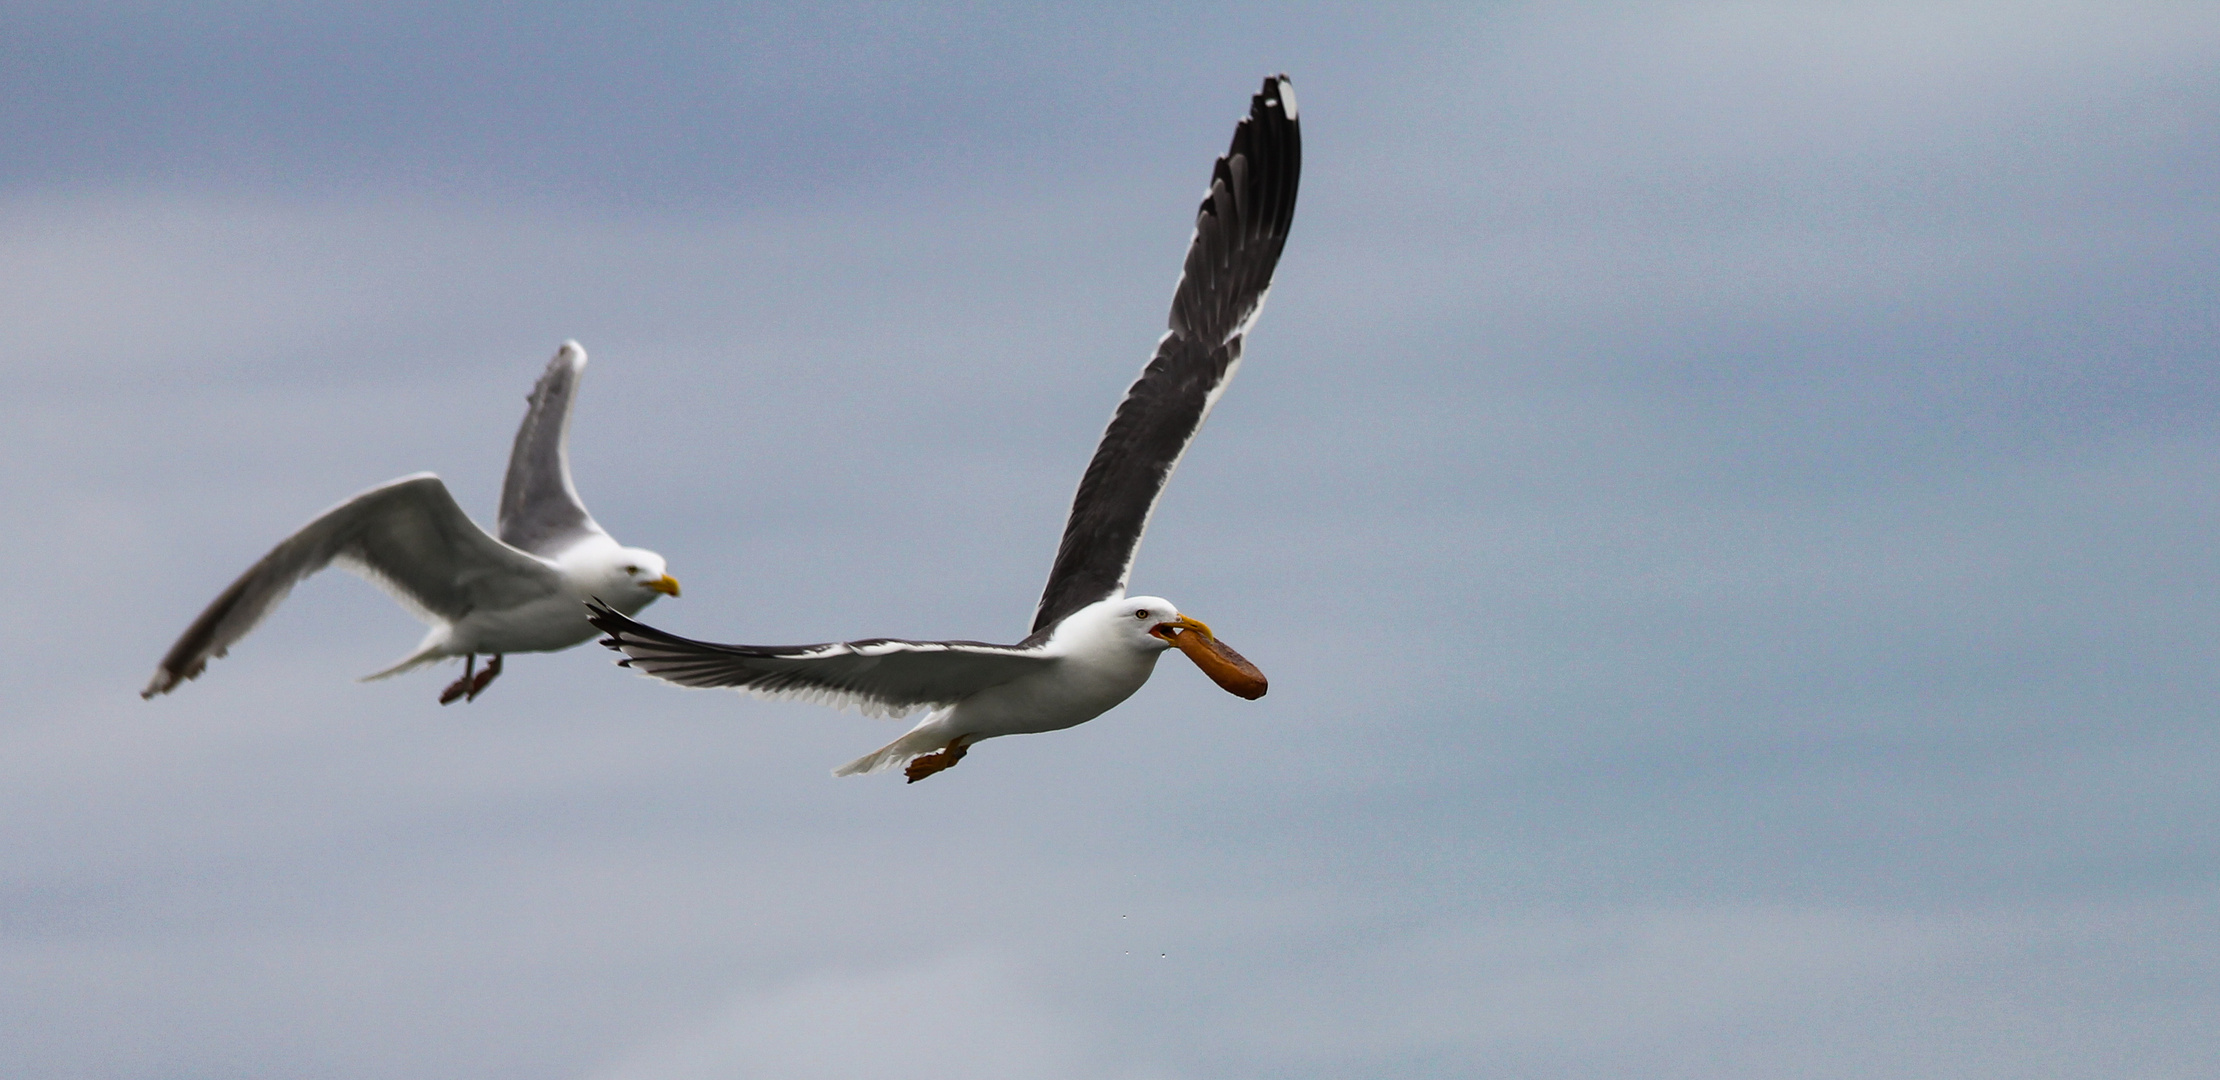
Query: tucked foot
point(925, 765)
point(478, 685)
point(461, 686)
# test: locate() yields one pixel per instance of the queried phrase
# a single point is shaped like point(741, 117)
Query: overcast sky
point(1724, 494)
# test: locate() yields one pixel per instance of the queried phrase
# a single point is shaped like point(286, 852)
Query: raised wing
point(540, 510)
point(1239, 232)
point(406, 536)
point(877, 677)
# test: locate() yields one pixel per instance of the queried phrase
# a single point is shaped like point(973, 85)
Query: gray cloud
point(1721, 491)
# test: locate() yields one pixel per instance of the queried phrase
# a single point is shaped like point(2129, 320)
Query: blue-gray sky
point(1724, 493)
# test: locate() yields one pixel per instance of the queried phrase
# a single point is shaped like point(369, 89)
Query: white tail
point(922, 739)
point(426, 653)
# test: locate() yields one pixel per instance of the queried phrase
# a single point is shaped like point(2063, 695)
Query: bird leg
point(461, 686)
point(478, 685)
point(925, 765)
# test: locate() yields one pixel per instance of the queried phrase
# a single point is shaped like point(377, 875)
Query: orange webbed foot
point(925, 765)
point(462, 687)
point(478, 685)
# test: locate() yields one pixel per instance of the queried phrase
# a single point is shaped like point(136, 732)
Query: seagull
point(1091, 645)
point(518, 593)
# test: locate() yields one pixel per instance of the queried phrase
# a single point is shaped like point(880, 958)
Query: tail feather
point(922, 739)
point(411, 662)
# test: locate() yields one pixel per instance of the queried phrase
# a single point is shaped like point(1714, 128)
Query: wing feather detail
point(876, 676)
point(1240, 230)
point(406, 536)
point(540, 508)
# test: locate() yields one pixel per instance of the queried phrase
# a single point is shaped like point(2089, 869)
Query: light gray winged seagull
point(1091, 645)
point(519, 593)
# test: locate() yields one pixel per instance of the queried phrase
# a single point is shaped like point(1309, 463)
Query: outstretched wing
point(407, 536)
point(540, 510)
point(1239, 232)
point(877, 677)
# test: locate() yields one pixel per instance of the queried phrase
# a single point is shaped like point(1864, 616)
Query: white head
point(1125, 622)
point(1150, 624)
point(626, 578)
point(1148, 621)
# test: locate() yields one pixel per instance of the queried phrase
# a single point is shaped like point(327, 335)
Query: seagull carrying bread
point(1091, 645)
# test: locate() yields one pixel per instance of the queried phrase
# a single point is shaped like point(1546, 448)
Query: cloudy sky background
point(1724, 493)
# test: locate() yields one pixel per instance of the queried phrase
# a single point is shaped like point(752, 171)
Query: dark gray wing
point(877, 677)
point(540, 511)
point(1239, 232)
point(407, 536)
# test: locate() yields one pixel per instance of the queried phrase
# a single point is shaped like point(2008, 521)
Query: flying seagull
point(1091, 645)
point(520, 593)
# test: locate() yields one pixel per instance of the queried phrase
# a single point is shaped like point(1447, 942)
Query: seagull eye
point(1143, 614)
point(631, 569)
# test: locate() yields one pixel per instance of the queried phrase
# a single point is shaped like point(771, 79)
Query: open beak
point(1230, 670)
point(667, 585)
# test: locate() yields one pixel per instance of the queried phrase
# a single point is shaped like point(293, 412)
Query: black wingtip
point(1278, 94)
point(606, 619)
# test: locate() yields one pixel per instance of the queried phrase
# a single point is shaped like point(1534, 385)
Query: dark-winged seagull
point(518, 593)
point(1091, 646)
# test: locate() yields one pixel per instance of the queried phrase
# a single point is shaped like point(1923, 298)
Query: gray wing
point(1239, 232)
point(877, 677)
point(406, 536)
point(540, 510)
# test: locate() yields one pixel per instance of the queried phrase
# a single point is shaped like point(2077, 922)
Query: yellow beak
point(1170, 631)
point(1230, 670)
point(667, 585)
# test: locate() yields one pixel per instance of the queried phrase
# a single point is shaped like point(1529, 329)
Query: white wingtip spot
point(1287, 98)
point(571, 350)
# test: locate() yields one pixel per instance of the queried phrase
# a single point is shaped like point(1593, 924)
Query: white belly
point(548, 624)
point(1072, 693)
